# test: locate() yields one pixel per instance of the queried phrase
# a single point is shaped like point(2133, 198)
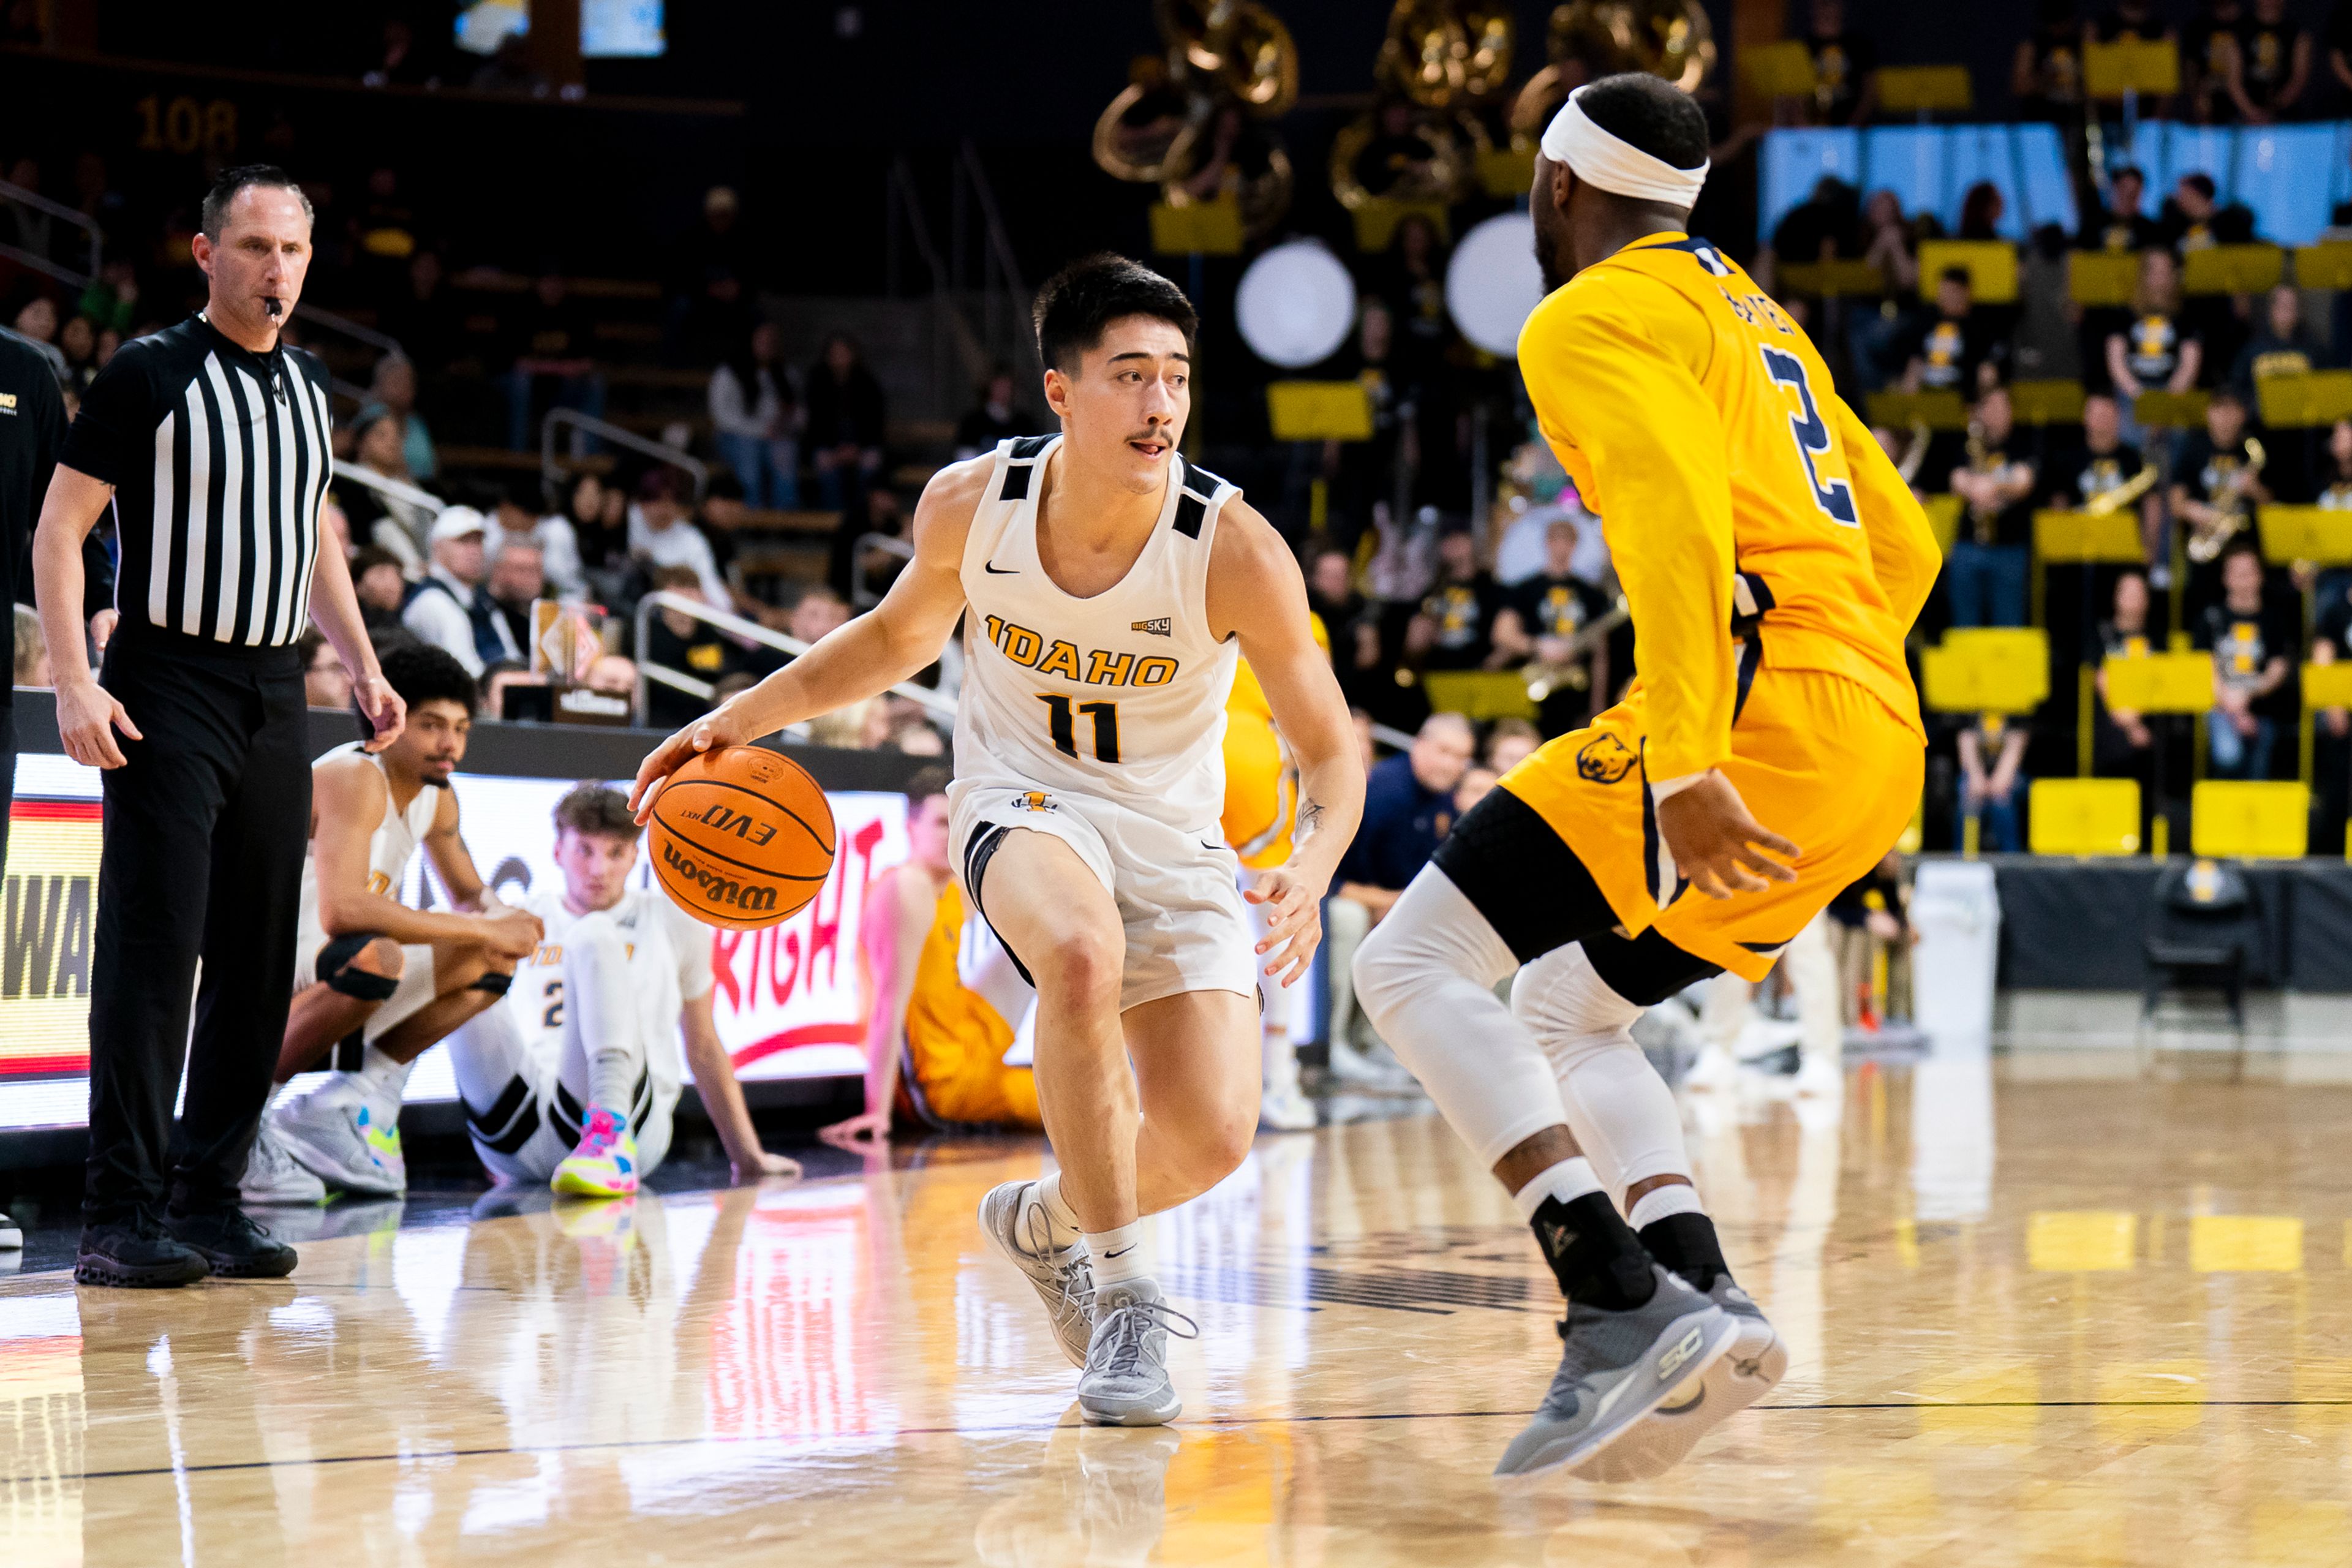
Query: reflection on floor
point(2034, 1321)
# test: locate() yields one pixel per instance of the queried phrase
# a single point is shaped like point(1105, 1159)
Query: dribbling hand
point(1294, 924)
point(1718, 846)
point(714, 729)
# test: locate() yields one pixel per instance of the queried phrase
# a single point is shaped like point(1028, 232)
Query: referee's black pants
point(205, 830)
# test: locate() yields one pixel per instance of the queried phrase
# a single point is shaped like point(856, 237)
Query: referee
point(211, 439)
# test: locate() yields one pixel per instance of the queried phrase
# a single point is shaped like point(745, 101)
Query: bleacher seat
point(1987, 670)
point(2085, 816)
point(2248, 820)
point(1479, 694)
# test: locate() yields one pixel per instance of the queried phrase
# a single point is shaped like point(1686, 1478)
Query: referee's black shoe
point(135, 1254)
point(235, 1247)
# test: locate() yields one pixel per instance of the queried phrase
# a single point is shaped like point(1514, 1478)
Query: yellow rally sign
point(49, 907)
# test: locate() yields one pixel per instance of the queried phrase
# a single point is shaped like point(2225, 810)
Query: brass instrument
point(1591, 39)
point(2123, 495)
point(1174, 117)
point(1570, 672)
point(2208, 539)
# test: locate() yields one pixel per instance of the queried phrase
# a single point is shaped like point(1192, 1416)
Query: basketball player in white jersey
point(380, 979)
point(575, 1082)
point(1105, 586)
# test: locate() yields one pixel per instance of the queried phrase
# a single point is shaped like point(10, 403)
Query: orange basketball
point(741, 837)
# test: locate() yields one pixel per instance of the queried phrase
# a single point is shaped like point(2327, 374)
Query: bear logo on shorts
point(1605, 759)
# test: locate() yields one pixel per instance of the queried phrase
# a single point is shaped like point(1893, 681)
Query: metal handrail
point(74, 216)
point(351, 329)
point(861, 597)
point(549, 473)
point(999, 249)
point(394, 489)
point(65, 275)
point(726, 621)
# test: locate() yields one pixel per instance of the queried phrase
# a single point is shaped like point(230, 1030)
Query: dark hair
point(2201, 184)
point(422, 673)
point(307, 645)
point(588, 807)
point(2128, 172)
point(1957, 275)
point(368, 557)
point(1081, 300)
point(231, 181)
point(1650, 113)
point(926, 783)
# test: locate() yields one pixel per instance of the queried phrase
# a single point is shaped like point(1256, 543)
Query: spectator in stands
point(2121, 226)
point(1890, 242)
point(2217, 486)
point(2156, 351)
point(2284, 347)
point(78, 341)
point(1540, 622)
point(1981, 211)
point(919, 738)
point(755, 416)
point(661, 535)
point(2046, 76)
point(845, 423)
point(2122, 745)
point(1398, 152)
point(2208, 55)
point(2331, 641)
point(1985, 575)
point(596, 515)
point(990, 419)
point(2339, 44)
point(1364, 474)
point(518, 579)
point(613, 675)
point(678, 641)
point(1478, 781)
point(2253, 641)
point(2105, 462)
point(451, 609)
point(400, 62)
point(31, 651)
point(2048, 343)
point(515, 520)
point(1510, 742)
point(376, 577)
point(877, 512)
point(554, 366)
point(1992, 763)
point(393, 391)
point(422, 316)
point(1411, 283)
point(817, 612)
point(509, 69)
point(38, 318)
point(1824, 226)
point(711, 283)
point(2270, 66)
point(2133, 21)
point(2335, 473)
point(1950, 351)
point(1351, 624)
point(2193, 217)
point(1455, 627)
point(386, 522)
point(325, 682)
point(1408, 808)
point(1845, 67)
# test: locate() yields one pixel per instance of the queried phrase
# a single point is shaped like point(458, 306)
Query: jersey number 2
point(1812, 434)
point(1061, 720)
point(554, 1017)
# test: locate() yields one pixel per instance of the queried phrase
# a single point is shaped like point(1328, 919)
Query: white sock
point(382, 1079)
point(600, 1012)
point(1060, 1221)
point(1425, 977)
point(1570, 1180)
point(1674, 1197)
point(1118, 1255)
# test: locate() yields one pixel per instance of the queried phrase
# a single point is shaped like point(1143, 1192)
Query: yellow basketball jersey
point(1699, 422)
point(956, 1040)
point(1260, 786)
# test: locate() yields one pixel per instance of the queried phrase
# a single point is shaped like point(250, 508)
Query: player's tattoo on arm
point(1310, 819)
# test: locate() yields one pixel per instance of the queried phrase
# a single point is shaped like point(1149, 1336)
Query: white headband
point(1613, 163)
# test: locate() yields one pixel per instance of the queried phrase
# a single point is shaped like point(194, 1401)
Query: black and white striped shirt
point(219, 459)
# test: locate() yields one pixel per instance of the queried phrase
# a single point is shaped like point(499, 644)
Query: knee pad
point(335, 968)
point(492, 981)
point(1561, 997)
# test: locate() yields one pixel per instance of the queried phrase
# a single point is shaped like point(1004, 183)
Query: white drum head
point(1295, 305)
point(1492, 284)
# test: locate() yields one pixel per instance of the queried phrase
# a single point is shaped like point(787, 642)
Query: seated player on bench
point(381, 981)
point(575, 1083)
point(948, 1002)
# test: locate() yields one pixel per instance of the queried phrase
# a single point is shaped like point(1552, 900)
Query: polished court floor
point(2035, 1320)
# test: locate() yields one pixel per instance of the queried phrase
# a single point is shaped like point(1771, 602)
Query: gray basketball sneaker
point(1614, 1369)
point(1126, 1381)
point(1063, 1281)
point(1746, 1373)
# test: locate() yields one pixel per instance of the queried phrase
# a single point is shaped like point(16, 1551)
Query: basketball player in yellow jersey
point(1260, 810)
point(1768, 754)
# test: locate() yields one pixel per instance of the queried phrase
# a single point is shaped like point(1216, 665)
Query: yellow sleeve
point(1904, 556)
point(1634, 409)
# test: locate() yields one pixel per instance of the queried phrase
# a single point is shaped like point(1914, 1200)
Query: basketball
point(741, 837)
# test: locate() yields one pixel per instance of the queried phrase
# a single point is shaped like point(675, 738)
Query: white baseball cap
point(456, 522)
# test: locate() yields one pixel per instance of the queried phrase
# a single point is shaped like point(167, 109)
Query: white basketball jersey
point(669, 964)
point(394, 840)
point(1121, 696)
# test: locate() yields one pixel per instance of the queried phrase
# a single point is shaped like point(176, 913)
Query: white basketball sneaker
point(333, 1132)
point(274, 1176)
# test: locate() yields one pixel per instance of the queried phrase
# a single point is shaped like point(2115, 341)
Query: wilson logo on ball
point(719, 889)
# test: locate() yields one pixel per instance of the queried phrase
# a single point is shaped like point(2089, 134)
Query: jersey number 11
point(1062, 721)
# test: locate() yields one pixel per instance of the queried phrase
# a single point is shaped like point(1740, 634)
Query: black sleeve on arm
point(113, 435)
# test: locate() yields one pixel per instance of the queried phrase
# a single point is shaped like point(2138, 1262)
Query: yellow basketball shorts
point(1572, 847)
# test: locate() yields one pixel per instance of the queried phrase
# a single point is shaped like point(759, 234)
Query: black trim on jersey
point(976, 855)
point(1027, 449)
point(1765, 946)
point(1752, 657)
point(1191, 511)
point(1647, 969)
point(1016, 481)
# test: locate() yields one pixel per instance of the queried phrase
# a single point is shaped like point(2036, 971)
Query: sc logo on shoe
point(1605, 759)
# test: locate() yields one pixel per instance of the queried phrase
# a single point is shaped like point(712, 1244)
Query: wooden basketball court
point(2034, 1321)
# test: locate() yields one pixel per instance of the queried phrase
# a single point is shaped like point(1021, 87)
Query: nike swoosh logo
point(992, 569)
point(1122, 1252)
